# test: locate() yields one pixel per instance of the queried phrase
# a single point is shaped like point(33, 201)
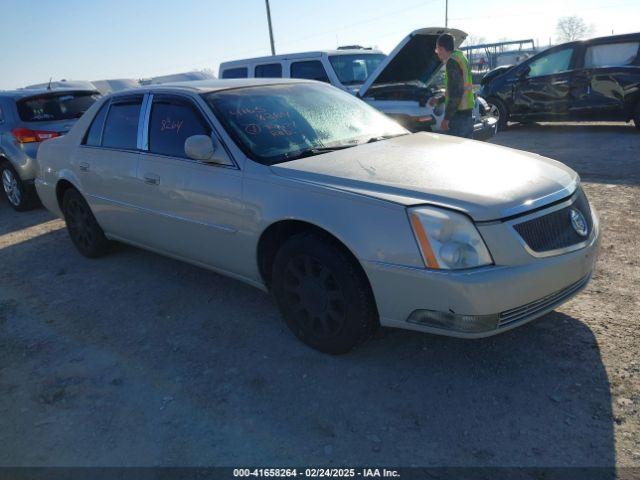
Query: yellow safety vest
point(467, 101)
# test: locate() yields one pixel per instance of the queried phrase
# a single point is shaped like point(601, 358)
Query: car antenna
point(49, 86)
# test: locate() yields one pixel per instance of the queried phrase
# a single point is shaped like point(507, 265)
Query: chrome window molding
point(143, 122)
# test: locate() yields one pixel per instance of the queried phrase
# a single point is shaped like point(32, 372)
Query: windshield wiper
point(317, 151)
point(385, 137)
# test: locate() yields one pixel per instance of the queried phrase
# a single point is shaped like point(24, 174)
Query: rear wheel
point(323, 295)
point(82, 226)
point(498, 110)
point(20, 195)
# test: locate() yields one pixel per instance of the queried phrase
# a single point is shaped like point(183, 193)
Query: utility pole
point(446, 13)
point(273, 48)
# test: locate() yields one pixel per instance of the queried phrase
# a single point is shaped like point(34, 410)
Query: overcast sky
point(98, 39)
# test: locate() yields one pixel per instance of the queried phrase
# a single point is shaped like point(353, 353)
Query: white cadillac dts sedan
point(305, 191)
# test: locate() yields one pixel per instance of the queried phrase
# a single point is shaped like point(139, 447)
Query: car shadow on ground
point(22, 220)
point(154, 361)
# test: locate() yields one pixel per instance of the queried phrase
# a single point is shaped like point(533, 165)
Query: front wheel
point(82, 226)
point(323, 294)
point(498, 110)
point(20, 196)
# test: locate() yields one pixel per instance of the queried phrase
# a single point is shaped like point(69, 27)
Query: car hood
point(487, 182)
point(413, 60)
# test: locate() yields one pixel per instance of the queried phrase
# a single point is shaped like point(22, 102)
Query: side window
point(235, 73)
point(172, 121)
point(552, 63)
point(121, 127)
point(611, 55)
point(312, 70)
point(93, 136)
point(1, 115)
point(271, 70)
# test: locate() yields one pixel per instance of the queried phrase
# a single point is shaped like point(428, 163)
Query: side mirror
point(200, 147)
point(523, 72)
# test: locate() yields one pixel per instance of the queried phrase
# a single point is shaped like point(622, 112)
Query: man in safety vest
point(458, 97)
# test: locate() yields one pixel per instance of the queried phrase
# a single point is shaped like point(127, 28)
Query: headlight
point(448, 240)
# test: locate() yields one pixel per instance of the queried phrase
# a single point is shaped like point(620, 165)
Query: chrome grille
point(546, 303)
point(554, 231)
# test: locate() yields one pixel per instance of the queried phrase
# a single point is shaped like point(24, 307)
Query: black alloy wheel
point(82, 226)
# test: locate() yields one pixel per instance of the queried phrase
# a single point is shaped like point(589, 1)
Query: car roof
point(298, 55)
point(34, 92)
point(207, 86)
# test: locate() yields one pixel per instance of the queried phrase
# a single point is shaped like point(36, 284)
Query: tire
point(636, 116)
point(323, 294)
point(21, 196)
point(499, 110)
point(82, 226)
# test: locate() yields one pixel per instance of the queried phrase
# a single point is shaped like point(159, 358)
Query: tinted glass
point(312, 70)
point(553, 63)
point(355, 69)
point(171, 123)
point(1, 115)
point(276, 123)
point(121, 127)
point(59, 106)
point(272, 70)
point(611, 55)
point(94, 133)
point(235, 73)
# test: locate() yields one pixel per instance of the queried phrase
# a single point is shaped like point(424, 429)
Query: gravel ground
point(136, 359)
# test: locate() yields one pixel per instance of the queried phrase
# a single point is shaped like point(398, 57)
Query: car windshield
point(60, 106)
point(355, 69)
point(280, 122)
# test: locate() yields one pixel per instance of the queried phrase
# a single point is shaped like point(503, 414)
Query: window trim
point(214, 132)
point(115, 101)
point(280, 64)
point(107, 106)
point(572, 60)
point(245, 68)
point(324, 69)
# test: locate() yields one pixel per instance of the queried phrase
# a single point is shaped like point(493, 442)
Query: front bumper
point(501, 297)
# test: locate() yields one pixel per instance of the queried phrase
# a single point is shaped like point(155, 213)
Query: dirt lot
point(136, 359)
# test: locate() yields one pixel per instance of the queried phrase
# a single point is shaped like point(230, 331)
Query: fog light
point(452, 321)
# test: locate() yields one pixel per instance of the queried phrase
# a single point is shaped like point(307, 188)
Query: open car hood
point(413, 60)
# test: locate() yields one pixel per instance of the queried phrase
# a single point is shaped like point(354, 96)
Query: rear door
point(192, 208)
point(545, 91)
point(107, 163)
point(606, 70)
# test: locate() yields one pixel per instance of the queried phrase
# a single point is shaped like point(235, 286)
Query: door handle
point(560, 82)
point(151, 179)
point(84, 166)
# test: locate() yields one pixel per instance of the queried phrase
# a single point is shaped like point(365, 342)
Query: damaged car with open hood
point(399, 84)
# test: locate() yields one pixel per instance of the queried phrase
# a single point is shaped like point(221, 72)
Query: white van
point(399, 84)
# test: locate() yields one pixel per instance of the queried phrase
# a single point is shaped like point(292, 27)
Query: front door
point(544, 91)
point(193, 208)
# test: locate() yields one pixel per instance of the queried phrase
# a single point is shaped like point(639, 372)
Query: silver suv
point(28, 117)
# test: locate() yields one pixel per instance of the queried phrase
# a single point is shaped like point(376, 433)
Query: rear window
point(311, 70)
point(271, 70)
point(611, 55)
point(121, 127)
point(235, 73)
point(52, 107)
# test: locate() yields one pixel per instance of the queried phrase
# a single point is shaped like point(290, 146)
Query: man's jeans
point(461, 125)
